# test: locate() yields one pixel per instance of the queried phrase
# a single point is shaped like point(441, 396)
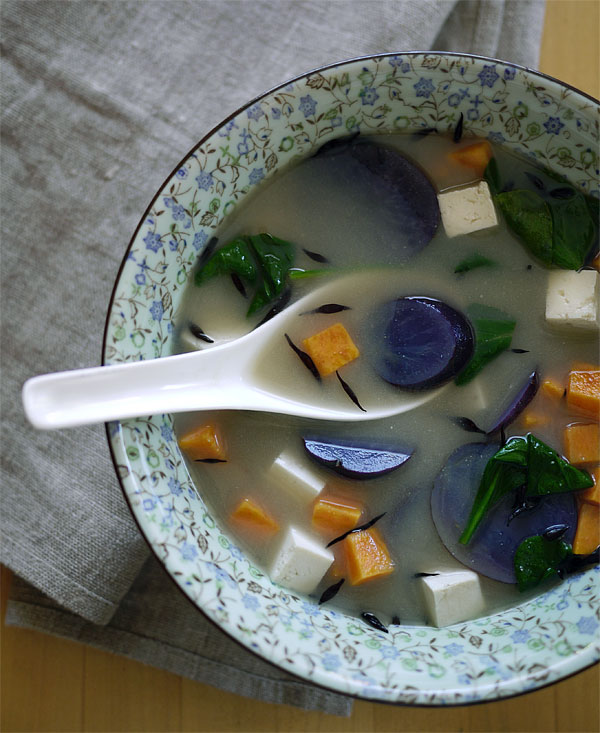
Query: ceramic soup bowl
point(531, 645)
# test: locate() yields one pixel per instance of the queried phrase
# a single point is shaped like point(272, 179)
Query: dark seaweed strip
point(239, 285)
point(350, 392)
point(207, 251)
point(508, 186)
point(572, 563)
point(530, 267)
point(396, 621)
point(555, 532)
point(519, 501)
point(537, 182)
point(425, 575)
point(330, 592)
point(467, 424)
point(423, 133)
point(304, 358)
point(458, 130)
point(277, 308)
point(315, 256)
point(373, 621)
point(362, 527)
point(520, 351)
point(327, 308)
point(562, 193)
point(522, 503)
point(502, 436)
point(198, 333)
point(210, 460)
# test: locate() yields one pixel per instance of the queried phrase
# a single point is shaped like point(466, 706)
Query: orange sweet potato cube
point(552, 389)
point(335, 516)
point(587, 534)
point(475, 156)
point(582, 444)
point(596, 262)
point(367, 556)
point(592, 495)
point(202, 443)
point(249, 514)
point(331, 349)
point(583, 391)
point(530, 419)
point(584, 366)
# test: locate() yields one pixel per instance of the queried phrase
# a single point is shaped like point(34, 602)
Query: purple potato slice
point(518, 403)
point(419, 343)
point(394, 184)
point(355, 461)
point(492, 548)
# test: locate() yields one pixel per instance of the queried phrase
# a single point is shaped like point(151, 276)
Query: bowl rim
point(568, 662)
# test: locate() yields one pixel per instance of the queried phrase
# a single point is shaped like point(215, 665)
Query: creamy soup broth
point(303, 206)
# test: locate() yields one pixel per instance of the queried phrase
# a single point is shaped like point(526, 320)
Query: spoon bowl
point(222, 377)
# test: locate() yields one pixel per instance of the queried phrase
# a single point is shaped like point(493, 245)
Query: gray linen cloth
point(99, 101)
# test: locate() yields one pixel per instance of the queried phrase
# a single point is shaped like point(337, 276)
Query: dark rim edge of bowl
point(212, 131)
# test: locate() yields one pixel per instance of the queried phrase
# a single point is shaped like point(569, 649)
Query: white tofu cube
point(572, 298)
point(468, 209)
point(299, 562)
point(295, 478)
point(452, 597)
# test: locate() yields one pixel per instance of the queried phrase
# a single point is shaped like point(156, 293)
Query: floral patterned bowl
point(526, 647)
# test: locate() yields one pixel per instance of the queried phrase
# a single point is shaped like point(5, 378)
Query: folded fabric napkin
point(96, 95)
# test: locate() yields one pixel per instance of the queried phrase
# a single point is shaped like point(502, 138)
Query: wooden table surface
point(48, 684)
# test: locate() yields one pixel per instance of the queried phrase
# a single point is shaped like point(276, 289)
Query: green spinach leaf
point(537, 559)
point(558, 224)
point(472, 262)
point(514, 451)
point(235, 257)
point(593, 205)
point(549, 473)
point(573, 231)
point(304, 274)
point(274, 257)
point(498, 480)
point(261, 261)
point(492, 176)
point(528, 215)
point(493, 334)
point(523, 461)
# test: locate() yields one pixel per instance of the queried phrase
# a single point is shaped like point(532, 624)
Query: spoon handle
point(207, 380)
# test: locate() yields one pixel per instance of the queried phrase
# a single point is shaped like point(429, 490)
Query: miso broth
point(305, 206)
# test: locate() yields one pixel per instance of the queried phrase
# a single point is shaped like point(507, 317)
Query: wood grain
point(49, 684)
point(570, 43)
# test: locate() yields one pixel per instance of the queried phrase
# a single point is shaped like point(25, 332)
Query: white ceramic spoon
point(217, 378)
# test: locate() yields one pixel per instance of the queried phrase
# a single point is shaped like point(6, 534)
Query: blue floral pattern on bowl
point(536, 643)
